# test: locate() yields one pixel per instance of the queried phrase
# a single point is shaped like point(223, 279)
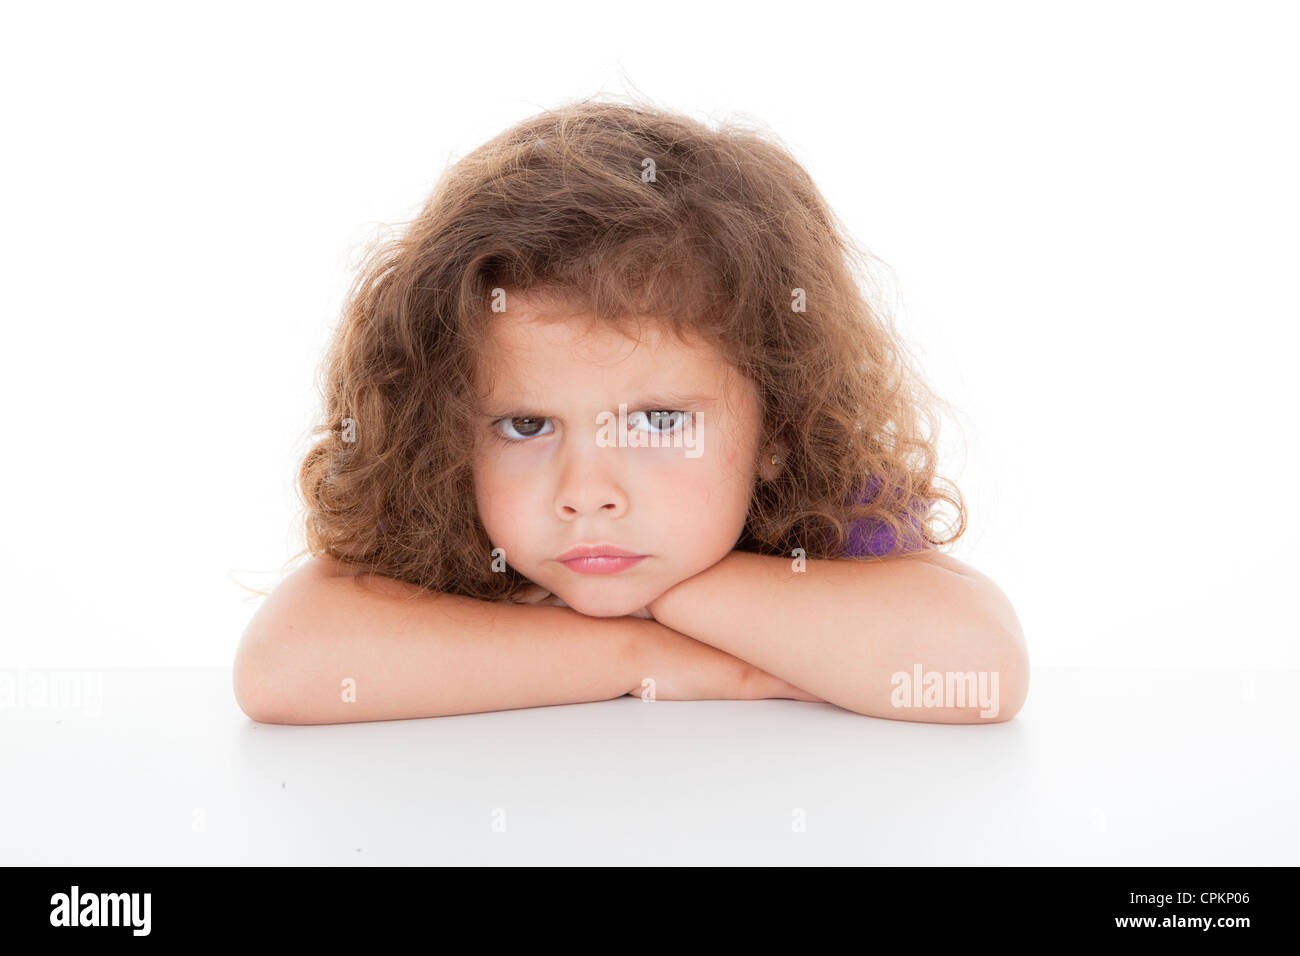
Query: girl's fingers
point(536, 594)
point(532, 594)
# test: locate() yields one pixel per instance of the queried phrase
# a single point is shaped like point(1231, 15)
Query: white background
point(1089, 211)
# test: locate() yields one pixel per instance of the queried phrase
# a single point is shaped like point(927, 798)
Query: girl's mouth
point(602, 564)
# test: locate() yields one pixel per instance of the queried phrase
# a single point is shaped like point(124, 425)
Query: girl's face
point(670, 479)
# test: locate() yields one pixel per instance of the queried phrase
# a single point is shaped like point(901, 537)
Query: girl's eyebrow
point(661, 401)
point(670, 400)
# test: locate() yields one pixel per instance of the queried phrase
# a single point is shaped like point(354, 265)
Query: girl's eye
point(529, 430)
point(661, 421)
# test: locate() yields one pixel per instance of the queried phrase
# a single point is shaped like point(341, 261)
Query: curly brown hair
point(623, 211)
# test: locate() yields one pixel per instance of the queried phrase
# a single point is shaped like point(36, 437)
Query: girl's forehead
point(527, 355)
point(524, 326)
point(522, 340)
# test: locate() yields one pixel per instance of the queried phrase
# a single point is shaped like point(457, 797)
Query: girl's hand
point(538, 595)
point(683, 668)
point(764, 685)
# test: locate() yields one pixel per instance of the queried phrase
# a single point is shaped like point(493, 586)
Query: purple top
point(873, 537)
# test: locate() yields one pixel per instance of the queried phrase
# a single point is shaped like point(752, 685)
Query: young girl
point(613, 416)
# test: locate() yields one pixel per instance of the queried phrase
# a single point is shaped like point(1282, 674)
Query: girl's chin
point(595, 607)
point(601, 611)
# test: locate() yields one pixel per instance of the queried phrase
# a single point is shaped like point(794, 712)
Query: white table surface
point(1176, 767)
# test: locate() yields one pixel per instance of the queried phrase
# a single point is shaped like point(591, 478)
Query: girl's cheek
point(730, 454)
point(695, 498)
point(492, 496)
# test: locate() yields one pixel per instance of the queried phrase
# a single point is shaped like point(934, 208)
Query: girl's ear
point(771, 461)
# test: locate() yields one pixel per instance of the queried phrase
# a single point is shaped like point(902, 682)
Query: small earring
point(775, 460)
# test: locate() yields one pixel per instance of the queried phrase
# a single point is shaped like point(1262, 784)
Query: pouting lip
point(597, 551)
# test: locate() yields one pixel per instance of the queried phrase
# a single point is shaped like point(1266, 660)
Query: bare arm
point(866, 636)
point(325, 635)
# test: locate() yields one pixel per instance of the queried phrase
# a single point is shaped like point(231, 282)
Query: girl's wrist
point(642, 640)
point(667, 605)
point(660, 605)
